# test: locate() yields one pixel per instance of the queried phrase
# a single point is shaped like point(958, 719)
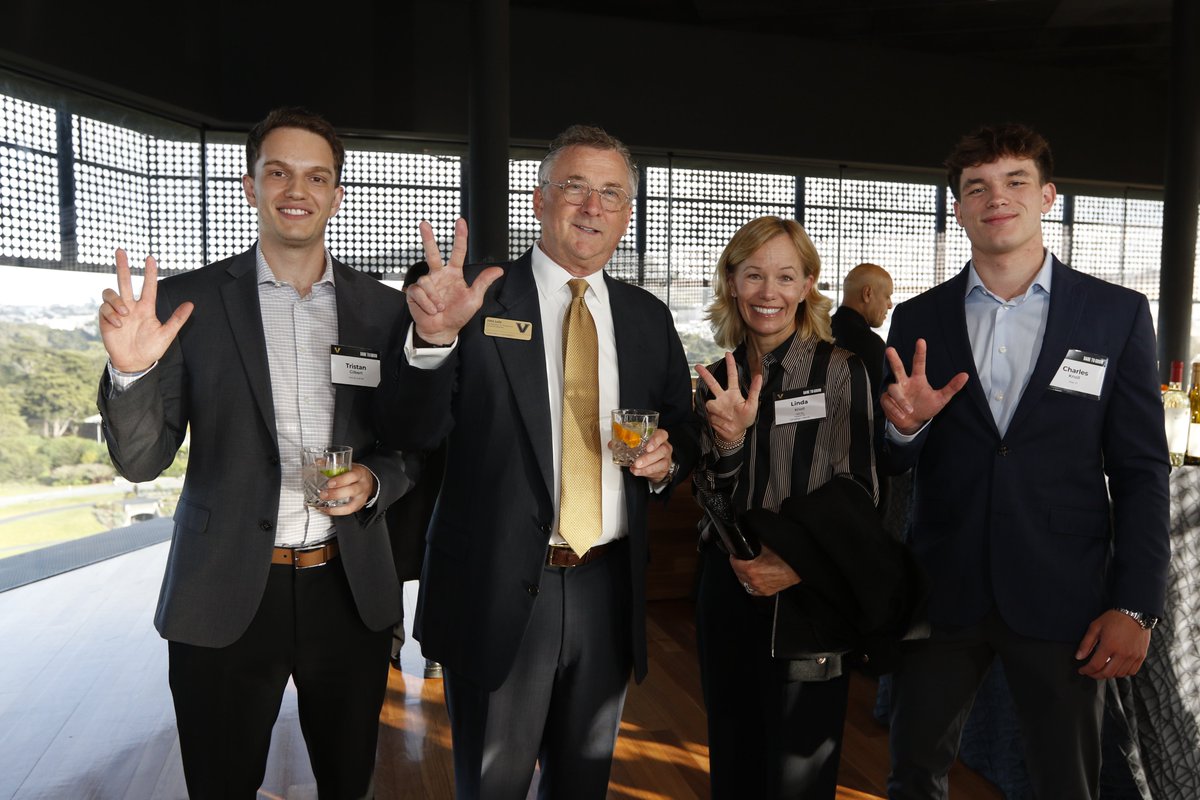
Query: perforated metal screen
point(149, 194)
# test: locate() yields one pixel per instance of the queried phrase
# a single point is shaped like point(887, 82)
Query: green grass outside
point(24, 535)
point(41, 531)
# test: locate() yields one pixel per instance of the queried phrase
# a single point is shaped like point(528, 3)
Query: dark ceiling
point(1117, 37)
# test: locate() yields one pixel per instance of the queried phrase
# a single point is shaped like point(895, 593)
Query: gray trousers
point(561, 704)
point(1059, 710)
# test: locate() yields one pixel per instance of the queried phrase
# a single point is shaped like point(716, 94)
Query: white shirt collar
point(265, 274)
point(551, 279)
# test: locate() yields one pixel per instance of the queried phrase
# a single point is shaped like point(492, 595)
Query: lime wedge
point(333, 471)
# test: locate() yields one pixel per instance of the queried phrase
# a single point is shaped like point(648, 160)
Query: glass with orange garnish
point(631, 430)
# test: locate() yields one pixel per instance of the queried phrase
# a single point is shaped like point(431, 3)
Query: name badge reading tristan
point(507, 328)
point(799, 405)
point(353, 366)
point(1081, 374)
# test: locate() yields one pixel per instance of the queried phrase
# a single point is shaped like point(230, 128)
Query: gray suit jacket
point(215, 378)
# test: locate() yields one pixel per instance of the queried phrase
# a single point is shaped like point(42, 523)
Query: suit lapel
point(629, 335)
point(350, 330)
point(240, 295)
point(953, 313)
point(1067, 299)
point(525, 362)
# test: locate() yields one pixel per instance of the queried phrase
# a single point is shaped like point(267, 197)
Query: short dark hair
point(295, 117)
point(588, 136)
point(992, 142)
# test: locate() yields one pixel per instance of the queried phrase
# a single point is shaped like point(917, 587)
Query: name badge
point(508, 328)
point(353, 366)
point(1081, 374)
point(799, 405)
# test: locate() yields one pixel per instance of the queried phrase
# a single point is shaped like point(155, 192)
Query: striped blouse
point(778, 461)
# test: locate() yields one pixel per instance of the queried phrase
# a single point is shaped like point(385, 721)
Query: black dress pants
point(768, 736)
point(227, 698)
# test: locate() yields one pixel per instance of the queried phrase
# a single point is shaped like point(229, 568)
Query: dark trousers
point(560, 705)
point(1059, 710)
point(768, 736)
point(227, 698)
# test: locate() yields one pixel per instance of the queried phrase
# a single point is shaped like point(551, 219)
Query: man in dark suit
point(1048, 388)
point(866, 298)
point(259, 587)
point(532, 594)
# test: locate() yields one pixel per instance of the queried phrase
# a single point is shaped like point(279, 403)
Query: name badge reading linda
point(1081, 374)
point(508, 328)
point(353, 366)
point(799, 405)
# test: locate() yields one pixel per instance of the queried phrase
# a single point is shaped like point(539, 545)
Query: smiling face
point(768, 288)
point(293, 189)
point(1002, 205)
point(582, 239)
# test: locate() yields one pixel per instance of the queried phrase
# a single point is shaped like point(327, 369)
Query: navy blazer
point(215, 377)
point(488, 537)
point(1026, 522)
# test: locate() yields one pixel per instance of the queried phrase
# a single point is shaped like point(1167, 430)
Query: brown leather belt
point(561, 555)
point(303, 559)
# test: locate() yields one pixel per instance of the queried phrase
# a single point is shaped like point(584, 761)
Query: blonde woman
point(775, 724)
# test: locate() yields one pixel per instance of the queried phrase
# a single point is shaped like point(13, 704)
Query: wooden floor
point(85, 711)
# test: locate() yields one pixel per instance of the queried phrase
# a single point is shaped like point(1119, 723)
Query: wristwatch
point(672, 471)
point(1147, 621)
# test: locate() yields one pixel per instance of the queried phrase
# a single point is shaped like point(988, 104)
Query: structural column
point(487, 128)
point(1182, 188)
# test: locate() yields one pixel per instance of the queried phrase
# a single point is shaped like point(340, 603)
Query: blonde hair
point(812, 315)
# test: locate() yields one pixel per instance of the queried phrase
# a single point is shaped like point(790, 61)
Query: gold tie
point(579, 492)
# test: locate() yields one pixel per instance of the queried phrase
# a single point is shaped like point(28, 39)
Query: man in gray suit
point(262, 354)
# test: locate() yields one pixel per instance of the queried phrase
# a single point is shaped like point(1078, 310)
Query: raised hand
point(441, 302)
point(132, 334)
point(910, 401)
point(729, 413)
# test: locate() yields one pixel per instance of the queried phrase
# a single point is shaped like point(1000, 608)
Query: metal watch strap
point(1145, 620)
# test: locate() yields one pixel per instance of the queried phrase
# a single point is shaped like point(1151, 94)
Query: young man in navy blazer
point(260, 588)
point(1040, 478)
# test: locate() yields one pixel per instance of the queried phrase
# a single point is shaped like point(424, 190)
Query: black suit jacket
point(487, 541)
point(1027, 522)
point(215, 378)
point(851, 331)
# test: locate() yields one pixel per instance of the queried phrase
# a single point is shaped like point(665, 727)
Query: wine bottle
point(1193, 448)
point(1177, 413)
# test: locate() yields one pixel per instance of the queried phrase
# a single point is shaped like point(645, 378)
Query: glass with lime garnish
point(317, 466)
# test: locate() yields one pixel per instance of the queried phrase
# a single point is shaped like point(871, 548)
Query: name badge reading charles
point(799, 405)
point(508, 328)
point(1081, 373)
point(353, 366)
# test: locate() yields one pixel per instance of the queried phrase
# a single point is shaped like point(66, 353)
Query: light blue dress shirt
point(1006, 337)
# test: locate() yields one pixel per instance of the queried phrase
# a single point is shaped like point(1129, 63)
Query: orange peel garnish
point(626, 436)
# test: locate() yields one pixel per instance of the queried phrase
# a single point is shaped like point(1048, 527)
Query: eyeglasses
point(612, 198)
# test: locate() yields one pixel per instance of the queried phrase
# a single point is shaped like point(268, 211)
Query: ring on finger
point(749, 589)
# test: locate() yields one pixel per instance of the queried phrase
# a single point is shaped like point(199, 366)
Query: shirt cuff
point(426, 357)
point(371, 503)
point(123, 380)
point(896, 437)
